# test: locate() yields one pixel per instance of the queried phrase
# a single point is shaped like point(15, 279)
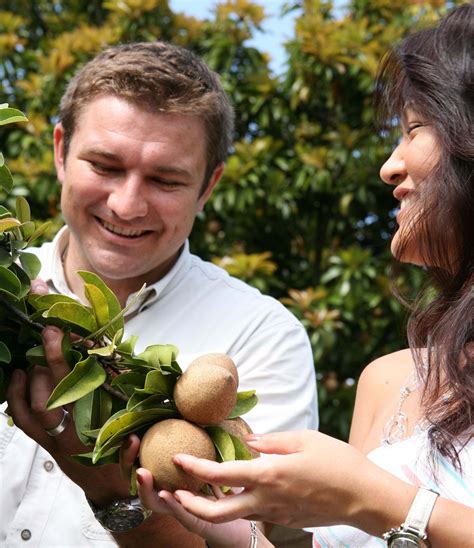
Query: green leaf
point(241, 451)
point(98, 303)
point(124, 422)
point(157, 383)
point(130, 377)
point(159, 354)
point(114, 308)
point(9, 283)
point(7, 223)
point(77, 314)
point(172, 368)
point(5, 257)
point(10, 115)
point(5, 355)
point(23, 211)
point(43, 302)
point(90, 413)
point(245, 402)
point(6, 179)
point(222, 441)
point(127, 347)
point(39, 231)
point(110, 457)
point(4, 212)
point(84, 416)
point(27, 230)
point(36, 355)
point(142, 402)
point(86, 376)
point(31, 264)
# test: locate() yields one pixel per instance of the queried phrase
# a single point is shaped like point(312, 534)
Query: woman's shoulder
point(388, 371)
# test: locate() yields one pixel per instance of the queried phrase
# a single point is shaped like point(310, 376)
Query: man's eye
point(100, 168)
point(166, 183)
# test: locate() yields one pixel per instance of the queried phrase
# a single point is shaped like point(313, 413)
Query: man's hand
point(27, 397)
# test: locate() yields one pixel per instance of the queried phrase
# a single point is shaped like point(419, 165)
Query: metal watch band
point(420, 511)
point(120, 515)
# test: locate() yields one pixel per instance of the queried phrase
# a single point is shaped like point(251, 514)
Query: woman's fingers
point(279, 443)
point(234, 473)
point(225, 509)
point(148, 495)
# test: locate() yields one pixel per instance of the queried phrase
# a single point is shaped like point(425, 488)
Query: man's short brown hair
point(161, 78)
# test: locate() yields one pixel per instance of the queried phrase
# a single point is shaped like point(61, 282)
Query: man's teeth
point(122, 231)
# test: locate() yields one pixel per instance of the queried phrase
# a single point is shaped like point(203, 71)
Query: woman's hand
point(310, 480)
point(235, 534)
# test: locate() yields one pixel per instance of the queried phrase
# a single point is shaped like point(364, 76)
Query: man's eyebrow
point(169, 170)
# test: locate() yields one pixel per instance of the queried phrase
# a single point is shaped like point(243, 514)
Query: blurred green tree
point(301, 212)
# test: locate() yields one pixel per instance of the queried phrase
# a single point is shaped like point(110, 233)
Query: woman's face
point(408, 168)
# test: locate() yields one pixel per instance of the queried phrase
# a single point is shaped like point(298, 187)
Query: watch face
point(405, 539)
point(404, 543)
point(121, 520)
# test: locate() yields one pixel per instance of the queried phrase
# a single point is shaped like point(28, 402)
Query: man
point(143, 135)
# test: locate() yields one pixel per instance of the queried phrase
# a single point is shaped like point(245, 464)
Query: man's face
point(131, 189)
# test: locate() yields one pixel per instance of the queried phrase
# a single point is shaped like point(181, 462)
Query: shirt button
point(48, 466)
point(26, 534)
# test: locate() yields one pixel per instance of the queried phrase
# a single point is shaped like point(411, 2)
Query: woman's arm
point(317, 480)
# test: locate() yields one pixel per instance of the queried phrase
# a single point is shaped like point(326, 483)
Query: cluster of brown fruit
point(204, 395)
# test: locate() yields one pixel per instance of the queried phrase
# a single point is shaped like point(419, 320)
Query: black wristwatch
point(120, 516)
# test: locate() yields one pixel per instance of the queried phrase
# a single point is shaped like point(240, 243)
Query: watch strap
point(420, 512)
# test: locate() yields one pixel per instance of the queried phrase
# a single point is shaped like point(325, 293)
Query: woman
point(413, 419)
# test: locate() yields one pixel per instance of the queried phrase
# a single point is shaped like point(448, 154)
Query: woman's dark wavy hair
point(431, 71)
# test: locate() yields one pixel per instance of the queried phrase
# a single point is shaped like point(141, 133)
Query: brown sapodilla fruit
point(223, 360)
point(164, 440)
point(239, 428)
point(205, 393)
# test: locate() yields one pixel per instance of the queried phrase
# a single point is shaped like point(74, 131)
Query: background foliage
point(301, 212)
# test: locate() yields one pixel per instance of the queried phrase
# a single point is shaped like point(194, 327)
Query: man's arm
point(27, 399)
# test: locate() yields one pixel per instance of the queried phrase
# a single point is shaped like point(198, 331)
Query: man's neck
point(122, 287)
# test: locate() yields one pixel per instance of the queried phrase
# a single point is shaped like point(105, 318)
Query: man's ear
point(59, 159)
point(214, 179)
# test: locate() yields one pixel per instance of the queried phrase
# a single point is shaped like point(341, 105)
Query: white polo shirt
point(199, 308)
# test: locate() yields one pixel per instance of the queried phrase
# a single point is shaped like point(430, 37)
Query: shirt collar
point(54, 276)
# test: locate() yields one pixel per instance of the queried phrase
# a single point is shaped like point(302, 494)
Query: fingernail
point(50, 334)
point(139, 478)
point(250, 438)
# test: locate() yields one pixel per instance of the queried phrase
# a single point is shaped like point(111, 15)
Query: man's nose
point(393, 171)
point(127, 199)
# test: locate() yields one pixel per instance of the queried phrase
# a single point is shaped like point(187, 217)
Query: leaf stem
point(21, 317)
point(106, 386)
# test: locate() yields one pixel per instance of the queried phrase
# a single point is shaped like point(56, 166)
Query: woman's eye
point(413, 126)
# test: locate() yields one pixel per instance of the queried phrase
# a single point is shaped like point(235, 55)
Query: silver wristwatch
point(413, 531)
point(121, 515)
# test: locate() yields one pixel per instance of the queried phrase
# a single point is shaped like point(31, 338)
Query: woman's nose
point(393, 171)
